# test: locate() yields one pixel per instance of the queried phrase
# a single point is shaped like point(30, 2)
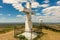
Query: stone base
point(29, 35)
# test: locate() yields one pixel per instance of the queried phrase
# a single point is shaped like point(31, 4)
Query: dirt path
point(50, 35)
point(7, 36)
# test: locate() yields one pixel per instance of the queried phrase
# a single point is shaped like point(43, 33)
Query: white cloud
point(12, 20)
point(13, 1)
point(9, 1)
point(44, 5)
point(1, 6)
point(46, 1)
point(50, 19)
point(18, 6)
point(22, 1)
point(58, 2)
point(35, 4)
point(19, 16)
point(1, 14)
point(38, 14)
point(8, 14)
point(15, 4)
point(55, 10)
point(2, 19)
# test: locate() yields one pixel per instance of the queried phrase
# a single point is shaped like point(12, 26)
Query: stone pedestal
point(29, 35)
point(28, 29)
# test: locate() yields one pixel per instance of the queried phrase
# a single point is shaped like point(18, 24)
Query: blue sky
point(9, 14)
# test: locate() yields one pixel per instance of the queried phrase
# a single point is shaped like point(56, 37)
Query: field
point(7, 31)
point(5, 28)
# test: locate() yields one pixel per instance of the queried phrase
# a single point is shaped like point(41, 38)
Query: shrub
point(21, 37)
